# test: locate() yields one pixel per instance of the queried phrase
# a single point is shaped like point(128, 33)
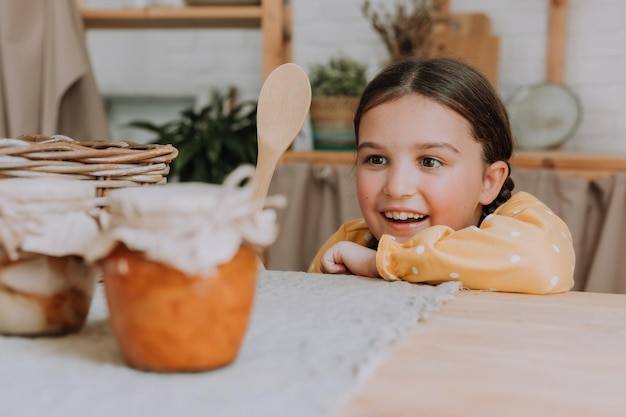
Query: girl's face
point(418, 165)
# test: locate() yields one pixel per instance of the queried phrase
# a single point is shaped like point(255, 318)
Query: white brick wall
point(190, 62)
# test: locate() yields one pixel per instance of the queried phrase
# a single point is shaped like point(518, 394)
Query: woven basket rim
point(112, 164)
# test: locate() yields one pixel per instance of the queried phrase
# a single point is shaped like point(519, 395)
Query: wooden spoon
point(283, 105)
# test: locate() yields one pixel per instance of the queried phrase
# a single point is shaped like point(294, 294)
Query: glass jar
point(179, 267)
point(46, 286)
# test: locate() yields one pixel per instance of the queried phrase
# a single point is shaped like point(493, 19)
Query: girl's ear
point(494, 178)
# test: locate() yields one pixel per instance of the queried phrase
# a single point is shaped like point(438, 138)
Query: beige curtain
point(321, 199)
point(46, 80)
point(607, 270)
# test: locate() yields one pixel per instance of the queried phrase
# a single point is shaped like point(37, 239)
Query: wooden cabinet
point(272, 17)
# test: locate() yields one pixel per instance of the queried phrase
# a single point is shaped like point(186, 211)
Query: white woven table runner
point(312, 339)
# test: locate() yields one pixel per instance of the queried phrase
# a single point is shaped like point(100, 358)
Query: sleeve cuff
point(383, 257)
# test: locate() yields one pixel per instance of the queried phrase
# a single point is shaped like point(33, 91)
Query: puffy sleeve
point(522, 247)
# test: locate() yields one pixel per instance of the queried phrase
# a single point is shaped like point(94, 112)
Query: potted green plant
point(211, 141)
point(336, 87)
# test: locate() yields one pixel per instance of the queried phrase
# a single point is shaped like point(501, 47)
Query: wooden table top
point(497, 354)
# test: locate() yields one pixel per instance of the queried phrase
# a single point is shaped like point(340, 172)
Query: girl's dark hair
point(458, 87)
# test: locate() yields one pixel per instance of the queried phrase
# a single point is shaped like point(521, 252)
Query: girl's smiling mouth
point(404, 216)
point(403, 224)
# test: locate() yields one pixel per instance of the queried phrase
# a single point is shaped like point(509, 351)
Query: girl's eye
point(376, 160)
point(428, 162)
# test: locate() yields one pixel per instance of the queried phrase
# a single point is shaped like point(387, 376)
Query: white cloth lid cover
point(48, 216)
point(193, 227)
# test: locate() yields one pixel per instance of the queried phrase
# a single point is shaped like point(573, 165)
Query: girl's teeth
point(401, 215)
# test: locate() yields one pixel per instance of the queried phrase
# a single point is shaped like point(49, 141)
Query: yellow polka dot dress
point(522, 247)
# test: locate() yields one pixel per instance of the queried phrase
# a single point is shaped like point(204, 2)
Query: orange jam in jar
point(165, 320)
point(46, 286)
point(179, 267)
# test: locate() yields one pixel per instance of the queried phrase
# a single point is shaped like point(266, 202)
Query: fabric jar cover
point(54, 217)
point(192, 226)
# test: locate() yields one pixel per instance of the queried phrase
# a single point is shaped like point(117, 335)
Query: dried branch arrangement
point(407, 29)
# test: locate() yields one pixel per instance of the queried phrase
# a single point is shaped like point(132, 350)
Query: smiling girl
point(433, 185)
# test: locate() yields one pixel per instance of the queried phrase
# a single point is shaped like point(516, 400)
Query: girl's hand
point(349, 257)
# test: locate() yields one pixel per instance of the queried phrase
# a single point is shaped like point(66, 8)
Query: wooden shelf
point(272, 17)
point(592, 165)
point(329, 158)
point(169, 17)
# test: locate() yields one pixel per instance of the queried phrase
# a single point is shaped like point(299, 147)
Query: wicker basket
point(114, 164)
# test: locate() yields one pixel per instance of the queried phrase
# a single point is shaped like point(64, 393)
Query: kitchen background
point(152, 74)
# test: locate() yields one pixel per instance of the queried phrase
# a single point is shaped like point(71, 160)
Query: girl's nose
point(400, 183)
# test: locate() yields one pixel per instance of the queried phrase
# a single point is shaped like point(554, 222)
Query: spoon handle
point(263, 176)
